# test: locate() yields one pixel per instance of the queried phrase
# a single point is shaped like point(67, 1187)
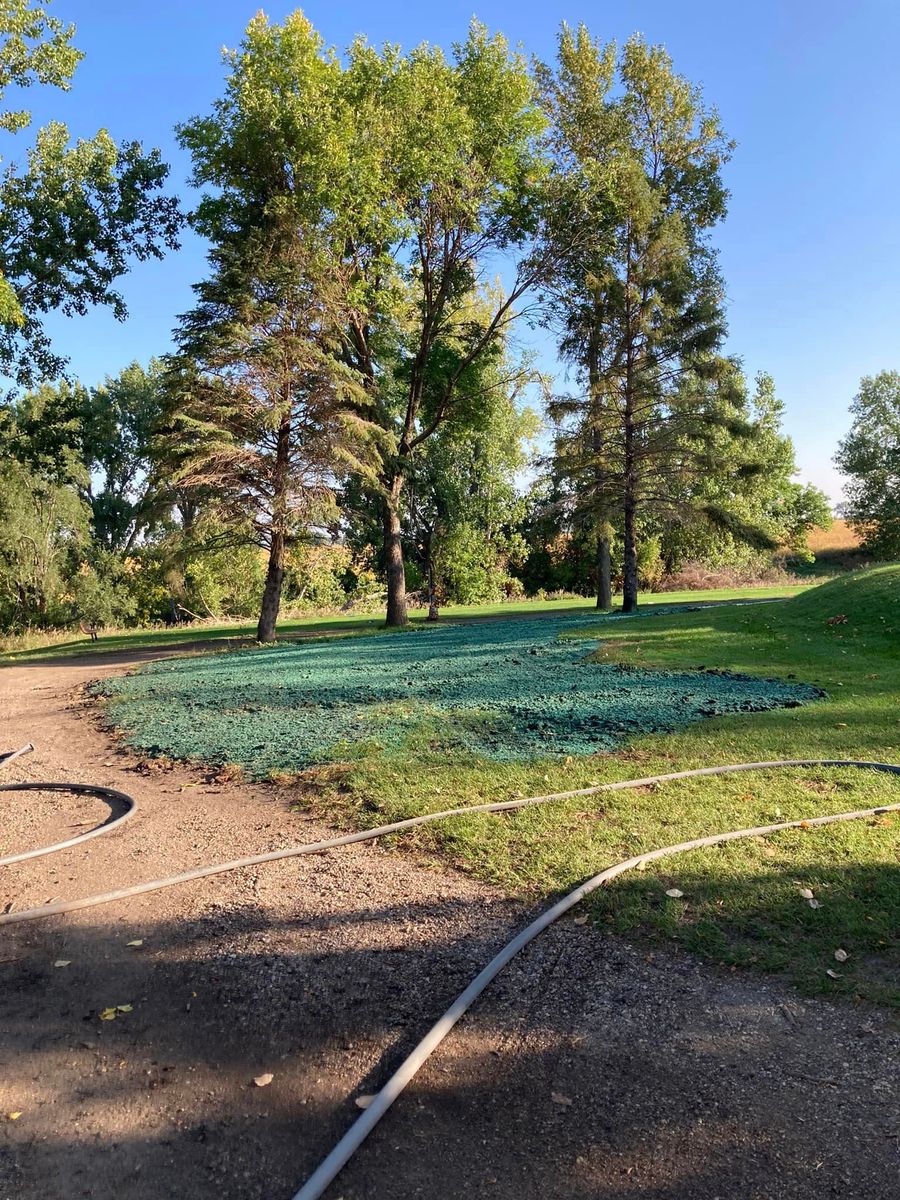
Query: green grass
point(39, 647)
point(742, 905)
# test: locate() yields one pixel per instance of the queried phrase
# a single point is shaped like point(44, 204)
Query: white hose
point(369, 1118)
point(367, 835)
point(110, 795)
point(365, 1123)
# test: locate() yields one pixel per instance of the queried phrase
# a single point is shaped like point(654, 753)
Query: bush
point(697, 577)
point(101, 591)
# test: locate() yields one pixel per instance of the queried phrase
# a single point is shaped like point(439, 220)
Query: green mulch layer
point(507, 691)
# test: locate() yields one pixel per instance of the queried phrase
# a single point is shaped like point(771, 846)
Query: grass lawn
point(742, 903)
point(38, 647)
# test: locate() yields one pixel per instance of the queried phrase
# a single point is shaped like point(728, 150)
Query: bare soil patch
point(591, 1069)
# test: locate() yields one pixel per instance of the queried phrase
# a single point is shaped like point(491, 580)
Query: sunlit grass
point(742, 904)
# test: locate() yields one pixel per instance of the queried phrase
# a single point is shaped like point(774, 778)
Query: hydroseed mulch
point(511, 690)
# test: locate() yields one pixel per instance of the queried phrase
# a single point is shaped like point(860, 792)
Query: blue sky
point(809, 90)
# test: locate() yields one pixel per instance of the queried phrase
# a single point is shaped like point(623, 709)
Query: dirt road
point(591, 1069)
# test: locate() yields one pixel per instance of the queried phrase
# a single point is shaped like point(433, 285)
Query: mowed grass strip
point(744, 904)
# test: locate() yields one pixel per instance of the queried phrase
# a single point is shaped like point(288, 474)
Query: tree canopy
point(348, 413)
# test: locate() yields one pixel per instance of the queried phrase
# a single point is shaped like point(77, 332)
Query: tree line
point(348, 406)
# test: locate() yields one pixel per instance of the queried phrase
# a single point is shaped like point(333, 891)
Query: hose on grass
point(366, 835)
point(339, 1156)
point(121, 807)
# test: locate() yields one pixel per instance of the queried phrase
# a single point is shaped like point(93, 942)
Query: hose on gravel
point(121, 807)
point(382, 1101)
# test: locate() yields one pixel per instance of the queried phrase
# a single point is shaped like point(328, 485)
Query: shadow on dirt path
point(590, 1069)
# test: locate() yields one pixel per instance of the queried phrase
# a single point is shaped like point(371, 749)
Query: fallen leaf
point(62, 962)
point(264, 1080)
point(834, 974)
point(363, 1101)
point(124, 1008)
point(14, 1116)
point(559, 1098)
point(579, 920)
point(108, 1014)
point(136, 942)
point(841, 955)
point(806, 893)
point(841, 725)
point(674, 893)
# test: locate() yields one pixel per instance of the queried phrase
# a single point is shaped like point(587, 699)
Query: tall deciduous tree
point(642, 299)
point(408, 172)
point(463, 168)
point(870, 458)
point(71, 216)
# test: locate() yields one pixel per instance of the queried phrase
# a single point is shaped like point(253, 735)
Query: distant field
point(839, 537)
point(836, 549)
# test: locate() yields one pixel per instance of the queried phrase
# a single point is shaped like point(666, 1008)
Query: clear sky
point(809, 89)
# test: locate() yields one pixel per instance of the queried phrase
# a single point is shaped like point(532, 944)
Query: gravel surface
point(590, 1069)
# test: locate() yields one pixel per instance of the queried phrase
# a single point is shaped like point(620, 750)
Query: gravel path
point(591, 1068)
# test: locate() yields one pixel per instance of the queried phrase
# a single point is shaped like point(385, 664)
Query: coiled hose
point(334, 1162)
point(121, 807)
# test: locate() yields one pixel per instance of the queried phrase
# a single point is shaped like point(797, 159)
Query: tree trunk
point(630, 491)
point(433, 612)
point(604, 569)
point(393, 557)
point(604, 531)
point(271, 601)
point(630, 583)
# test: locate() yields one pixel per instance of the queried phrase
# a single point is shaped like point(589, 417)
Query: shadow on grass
point(758, 918)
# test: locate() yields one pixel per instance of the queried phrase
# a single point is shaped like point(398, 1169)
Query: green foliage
point(71, 216)
point(44, 431)
point(119, 421)
point(224, 582)
point(870, 457)
point(34, 48)
point(43, 531)
point(462, 510)
point(102, 592)
point(316, 575)
point(742, 504)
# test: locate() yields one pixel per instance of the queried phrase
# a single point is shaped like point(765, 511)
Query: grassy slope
point(742, 904)
point(228, 634)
